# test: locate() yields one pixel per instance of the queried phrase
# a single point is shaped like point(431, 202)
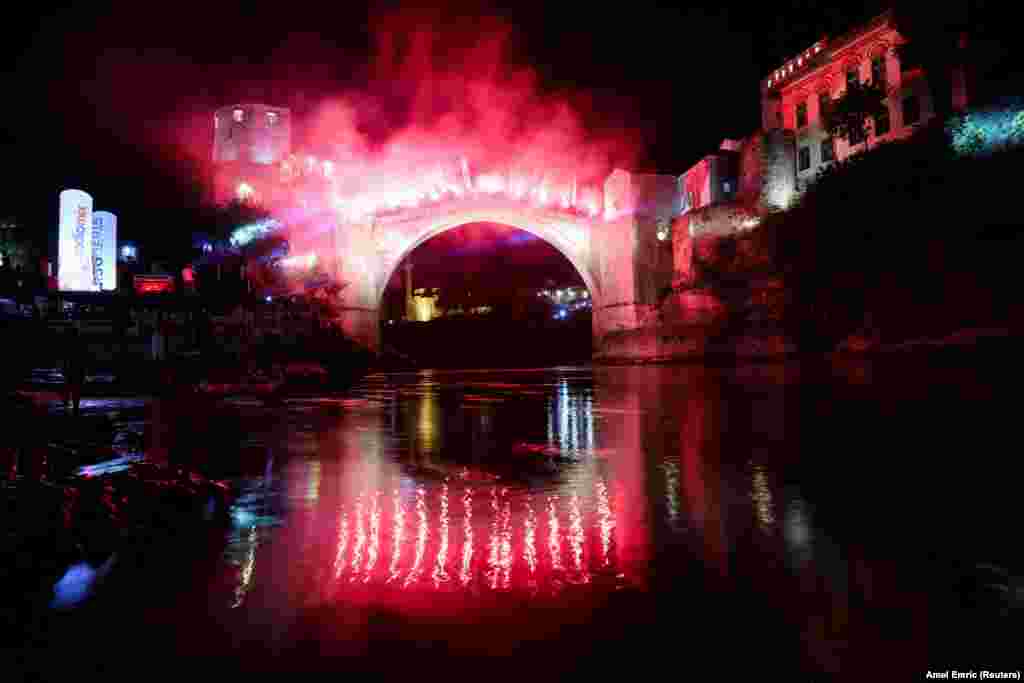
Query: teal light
point(985, 131)
point(247, 233)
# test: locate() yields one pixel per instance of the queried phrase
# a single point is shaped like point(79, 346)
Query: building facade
point(728, 191)
point(796, 96)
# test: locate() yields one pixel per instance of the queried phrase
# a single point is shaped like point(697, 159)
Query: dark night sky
point(95, 93)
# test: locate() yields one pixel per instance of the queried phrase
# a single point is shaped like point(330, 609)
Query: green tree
point(933, 44)
point(854, 112)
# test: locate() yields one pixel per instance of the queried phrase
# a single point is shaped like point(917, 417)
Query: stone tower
point(250, 141)
point(251, 133)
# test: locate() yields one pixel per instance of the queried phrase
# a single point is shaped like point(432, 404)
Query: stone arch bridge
point(618, 253)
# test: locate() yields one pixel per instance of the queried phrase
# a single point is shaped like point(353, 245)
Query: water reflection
point(382, 547)
point(449, 492)
point(761, 495)
point(570, 422)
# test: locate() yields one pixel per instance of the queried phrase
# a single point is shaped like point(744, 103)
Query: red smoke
point(437, 98)
point(445, 110)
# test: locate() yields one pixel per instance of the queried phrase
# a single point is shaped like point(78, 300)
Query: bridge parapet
point(616, 254)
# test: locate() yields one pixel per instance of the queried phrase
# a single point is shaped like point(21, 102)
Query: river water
point(802, 518)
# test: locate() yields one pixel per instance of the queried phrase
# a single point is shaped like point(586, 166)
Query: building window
point(271, 118)
point(911, 110)
point(828, 151)
point(851, 76)
point(878, 70)
point(239, 115)
point(801, 115)
point(882, 123)
point(805, 158)
point(856, 136)
point(824, 102)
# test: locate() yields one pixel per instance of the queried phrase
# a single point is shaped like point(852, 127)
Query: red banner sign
point(154, 284)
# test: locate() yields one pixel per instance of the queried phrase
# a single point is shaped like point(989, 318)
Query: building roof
point(823, 52)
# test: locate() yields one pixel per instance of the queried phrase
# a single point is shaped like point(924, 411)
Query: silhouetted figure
point(75, 361)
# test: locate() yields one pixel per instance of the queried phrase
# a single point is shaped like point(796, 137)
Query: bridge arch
point(370, 251)
point(572, 253)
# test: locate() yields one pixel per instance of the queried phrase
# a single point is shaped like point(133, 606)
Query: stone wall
point(653, 259)
point(725, 303)
point(778, 169)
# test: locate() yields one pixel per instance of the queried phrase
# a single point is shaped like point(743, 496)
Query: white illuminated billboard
point(104, 251)
point(74, 242)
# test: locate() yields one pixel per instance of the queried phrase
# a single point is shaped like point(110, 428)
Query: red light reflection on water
point(339, 559)
point(530, 539)
point(506, 543)
point(371, 560)
point(606, 522)
point(440, 574)
point(467, 543)
point(578, 539)
point(554, 538)
point(357, 552)
point(492, 559)
point(421, 537)
point(397, 536)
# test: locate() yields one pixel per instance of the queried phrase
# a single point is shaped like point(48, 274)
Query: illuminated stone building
point(424, 304)
point(794, 96)
point(728, 191)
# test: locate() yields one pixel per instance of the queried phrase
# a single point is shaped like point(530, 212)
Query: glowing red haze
point(443, 109)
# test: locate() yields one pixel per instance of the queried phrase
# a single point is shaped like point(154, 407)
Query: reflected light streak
point(589, 415)
point(671, 492)
point(493, 544)
point(554, 538)
point(339, 558)
point(797, 530)
point(427, 427)
point(246, 575)
point(761, 495)
point(467, 542)
point(421, 536)
point(313, 493)
point(506, 542)
point(512, 560)
point(563, 415)
point(576, 538)
point(574, 427)
point(398, 535)
point(530, 539)
point(606, 521)
point(440, 575)
point(372, 553)
point(357, 551)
